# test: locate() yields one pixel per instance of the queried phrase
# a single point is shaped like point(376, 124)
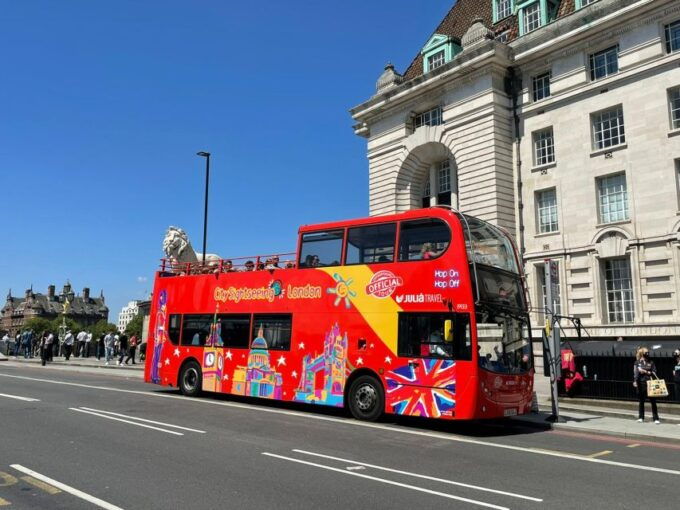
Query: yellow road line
point(49, 489)
point(634, 445)
point(8, 479)
point(600, 454)
point(4, 502)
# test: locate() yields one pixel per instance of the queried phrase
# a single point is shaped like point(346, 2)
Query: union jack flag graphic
point(426, 388)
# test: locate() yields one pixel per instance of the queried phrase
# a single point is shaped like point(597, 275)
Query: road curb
point(545, 425)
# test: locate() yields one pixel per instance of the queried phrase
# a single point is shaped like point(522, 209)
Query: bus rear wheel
point(190, 379)
point(366, 398)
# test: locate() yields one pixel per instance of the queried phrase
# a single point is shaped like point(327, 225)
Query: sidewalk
point(598, 421)
point(90, 362)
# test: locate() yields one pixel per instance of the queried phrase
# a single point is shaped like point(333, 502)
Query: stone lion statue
point(178, 249)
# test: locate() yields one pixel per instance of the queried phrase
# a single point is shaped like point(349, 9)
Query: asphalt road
point(137, 446)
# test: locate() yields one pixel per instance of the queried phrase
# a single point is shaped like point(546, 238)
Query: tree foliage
point(134, 327)
point(39, 325)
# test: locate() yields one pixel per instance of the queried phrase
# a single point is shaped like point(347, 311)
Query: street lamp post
point(206, 155)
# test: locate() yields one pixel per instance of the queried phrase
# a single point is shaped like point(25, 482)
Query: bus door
point(432, 345)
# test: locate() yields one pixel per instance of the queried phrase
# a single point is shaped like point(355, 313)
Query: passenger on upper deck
point(260, 266)
point(273, 263)
point(290, 264)
point(228, 266)
point(428, 252)
point(249, 265)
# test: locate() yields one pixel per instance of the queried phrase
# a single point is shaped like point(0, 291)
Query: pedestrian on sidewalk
point(68, 344)
point(49, 346)
point(100, 346)
point(123, 346)
point(27, 342)
point(643, 369)
point(131, 350)
point(676, 373)
point(88, 341)
point(109, 342)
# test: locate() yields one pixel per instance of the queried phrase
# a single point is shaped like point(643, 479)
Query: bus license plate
point(510, 412)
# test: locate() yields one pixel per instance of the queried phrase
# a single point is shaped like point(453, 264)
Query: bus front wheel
point(366, 398)
point(190, 379)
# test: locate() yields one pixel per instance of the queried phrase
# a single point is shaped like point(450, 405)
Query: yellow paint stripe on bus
point(49, 489)
point(379, 313)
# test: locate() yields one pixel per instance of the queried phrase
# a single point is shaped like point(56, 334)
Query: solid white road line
point(390, 482)
point(66, 488)
point(416, 475)
point(127, 421)
point(354, 423)
point(17, 397)
point(144, 420)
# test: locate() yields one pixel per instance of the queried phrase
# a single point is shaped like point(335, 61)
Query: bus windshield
point(490, 245)
point(504, 343)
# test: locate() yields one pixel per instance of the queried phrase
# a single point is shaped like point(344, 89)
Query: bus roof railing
point(172, 267)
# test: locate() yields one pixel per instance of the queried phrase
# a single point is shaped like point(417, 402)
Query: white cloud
point(142, 279)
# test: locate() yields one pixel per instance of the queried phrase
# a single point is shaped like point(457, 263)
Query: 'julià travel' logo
point(383, 284)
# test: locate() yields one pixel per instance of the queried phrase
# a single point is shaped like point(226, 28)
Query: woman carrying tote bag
point(642, 372)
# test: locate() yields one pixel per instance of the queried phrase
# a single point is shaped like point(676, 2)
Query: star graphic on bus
point(228, 355)
point(226, 377)
point(342, 290)
point(167, 361)
point(301, 345)
point(360, 361)
point(388, 360)
point(294, 374)
point(176, 352)
point(281, 361)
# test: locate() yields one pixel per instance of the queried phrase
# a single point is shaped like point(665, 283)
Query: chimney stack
point(86, 293)
point(50, 292)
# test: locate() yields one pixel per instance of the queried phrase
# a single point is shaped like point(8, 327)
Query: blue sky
point(104, 105)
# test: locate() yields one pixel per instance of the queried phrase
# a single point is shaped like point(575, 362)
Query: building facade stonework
point(560, 121)
point(82, 308)
point(126, 314)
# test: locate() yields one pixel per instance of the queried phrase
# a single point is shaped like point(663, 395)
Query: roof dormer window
point(502, 9)
point(439, 50)
point(534, 14)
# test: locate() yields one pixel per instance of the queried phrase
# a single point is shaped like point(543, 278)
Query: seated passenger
point(289, 264)
point(228, 266)
point(437, 347)
point(427, 252)
point(315, 261)
point(260, 266)
point(249, 265)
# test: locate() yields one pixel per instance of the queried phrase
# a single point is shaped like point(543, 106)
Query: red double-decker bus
point(422, 313)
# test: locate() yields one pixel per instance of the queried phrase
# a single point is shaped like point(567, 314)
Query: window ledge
point(613, 148)
point(674, 132)
point(547, 234)
point(613, 223)
point(541, 168)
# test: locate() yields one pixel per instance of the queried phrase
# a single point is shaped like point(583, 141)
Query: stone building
point(126, 314)
point(84, 309)
point(559, 120)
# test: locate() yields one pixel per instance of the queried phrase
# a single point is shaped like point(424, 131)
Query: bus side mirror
point(448, 331)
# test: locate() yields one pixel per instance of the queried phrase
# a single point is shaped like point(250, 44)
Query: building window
point(431, 117)
point(672, 37)
point(556, 305)
point(544, 147)
point(502, 9)
point(674, 104)
point(531, 17)
point(426, 192)
point(582, 3)
point(608, 128)
point(604, 63)
point(503, 36)
point(541, 86)
point(444, 183)
point(436, 60)
point(619, 286)
point(613, 198)
point(546, 208)
point(677, 180)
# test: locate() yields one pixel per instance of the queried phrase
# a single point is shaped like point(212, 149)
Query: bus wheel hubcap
point(190, 379)
point(366, 397)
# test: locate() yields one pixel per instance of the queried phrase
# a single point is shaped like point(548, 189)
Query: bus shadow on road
point(472, 428)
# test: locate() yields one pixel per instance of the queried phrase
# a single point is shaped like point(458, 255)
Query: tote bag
point(656, 387)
